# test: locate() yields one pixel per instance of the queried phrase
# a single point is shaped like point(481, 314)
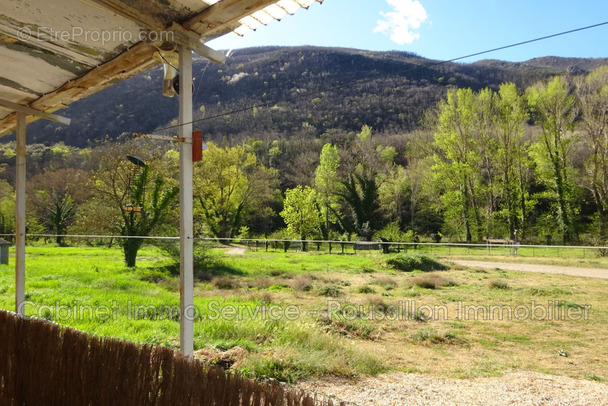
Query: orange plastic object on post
point(197, 146)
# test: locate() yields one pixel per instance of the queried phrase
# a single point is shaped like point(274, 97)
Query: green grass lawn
point(90, 289)
point(299, 315)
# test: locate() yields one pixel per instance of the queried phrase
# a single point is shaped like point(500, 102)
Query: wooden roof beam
point(173, 32)
point(214, 21)
point(31, 112)
point(191, 40)
point(131, 62)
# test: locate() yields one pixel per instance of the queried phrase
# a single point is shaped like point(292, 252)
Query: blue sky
point(440, 29)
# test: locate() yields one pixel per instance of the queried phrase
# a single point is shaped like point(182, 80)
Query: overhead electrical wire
point(362, 81)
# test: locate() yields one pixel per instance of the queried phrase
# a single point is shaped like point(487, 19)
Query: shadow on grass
point(202, 273)
point(206, 264)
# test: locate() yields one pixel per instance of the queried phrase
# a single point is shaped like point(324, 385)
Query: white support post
point(20, 216)
point(186, 278)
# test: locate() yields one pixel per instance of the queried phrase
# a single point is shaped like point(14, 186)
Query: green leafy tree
point(327, 185)
point(394, 195)
point(487, 146)
point(366, 134)
point(502, 117)
point(425, 207)
point(7, 208)
point(229, 183)
point(141, 198)
point(511, 159)
point(592, 92)
point(300, 212)
point(360, 195)
point(457, 165)
point(54, 197)
point(555, 109)
point(153, 207)
point(387, 154)
point(425, 214)
point(96, 217)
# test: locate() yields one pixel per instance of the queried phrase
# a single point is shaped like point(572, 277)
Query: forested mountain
point(307, 90)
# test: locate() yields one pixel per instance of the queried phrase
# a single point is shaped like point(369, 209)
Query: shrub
point(449, 283)
point(366, 289)
point(431, 335)
point(303, 283)
point(411, 293)
point(601, 252)
point(224, 282)
point(330, 291)
point(285, 370)
point(378, 305)
point(353, 328)
point(266, 298)
point(386, 282)
point(433, 281)
point(498, 284)
point(261, 283)
point(418, 315)
point(408, 263)
point(425, 283)
point(569, 305)
point(392, 232)
point(549, 291)
point(153, 275)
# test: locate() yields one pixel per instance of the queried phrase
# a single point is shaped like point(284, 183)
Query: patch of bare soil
point(236, 251)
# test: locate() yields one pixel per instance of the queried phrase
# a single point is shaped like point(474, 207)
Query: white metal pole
point(186, 278)
point(20, 217)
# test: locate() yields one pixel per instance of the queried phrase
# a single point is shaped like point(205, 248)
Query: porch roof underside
point(54, 52)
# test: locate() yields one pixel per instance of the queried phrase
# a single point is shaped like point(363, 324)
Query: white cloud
point(401, 23)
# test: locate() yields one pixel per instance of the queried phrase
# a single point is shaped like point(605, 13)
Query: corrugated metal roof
point(53, 52)
point(272, 12)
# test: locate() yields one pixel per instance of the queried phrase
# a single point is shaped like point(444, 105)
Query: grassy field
point(299, 315)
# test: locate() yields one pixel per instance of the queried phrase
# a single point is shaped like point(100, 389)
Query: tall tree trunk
point(131, 247)
point(522, 203)
point(465, 210)
point(563, 205)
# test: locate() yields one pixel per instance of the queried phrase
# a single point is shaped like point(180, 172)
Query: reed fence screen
point(43, 363)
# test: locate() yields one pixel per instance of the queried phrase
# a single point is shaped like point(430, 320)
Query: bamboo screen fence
point(43, 363)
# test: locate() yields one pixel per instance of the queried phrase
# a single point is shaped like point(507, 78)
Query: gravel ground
point(510, 266)
point(513, 388)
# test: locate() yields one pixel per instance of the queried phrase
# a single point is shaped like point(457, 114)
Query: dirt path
point(557, 269)
point(513, 388)
point(236, 251)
